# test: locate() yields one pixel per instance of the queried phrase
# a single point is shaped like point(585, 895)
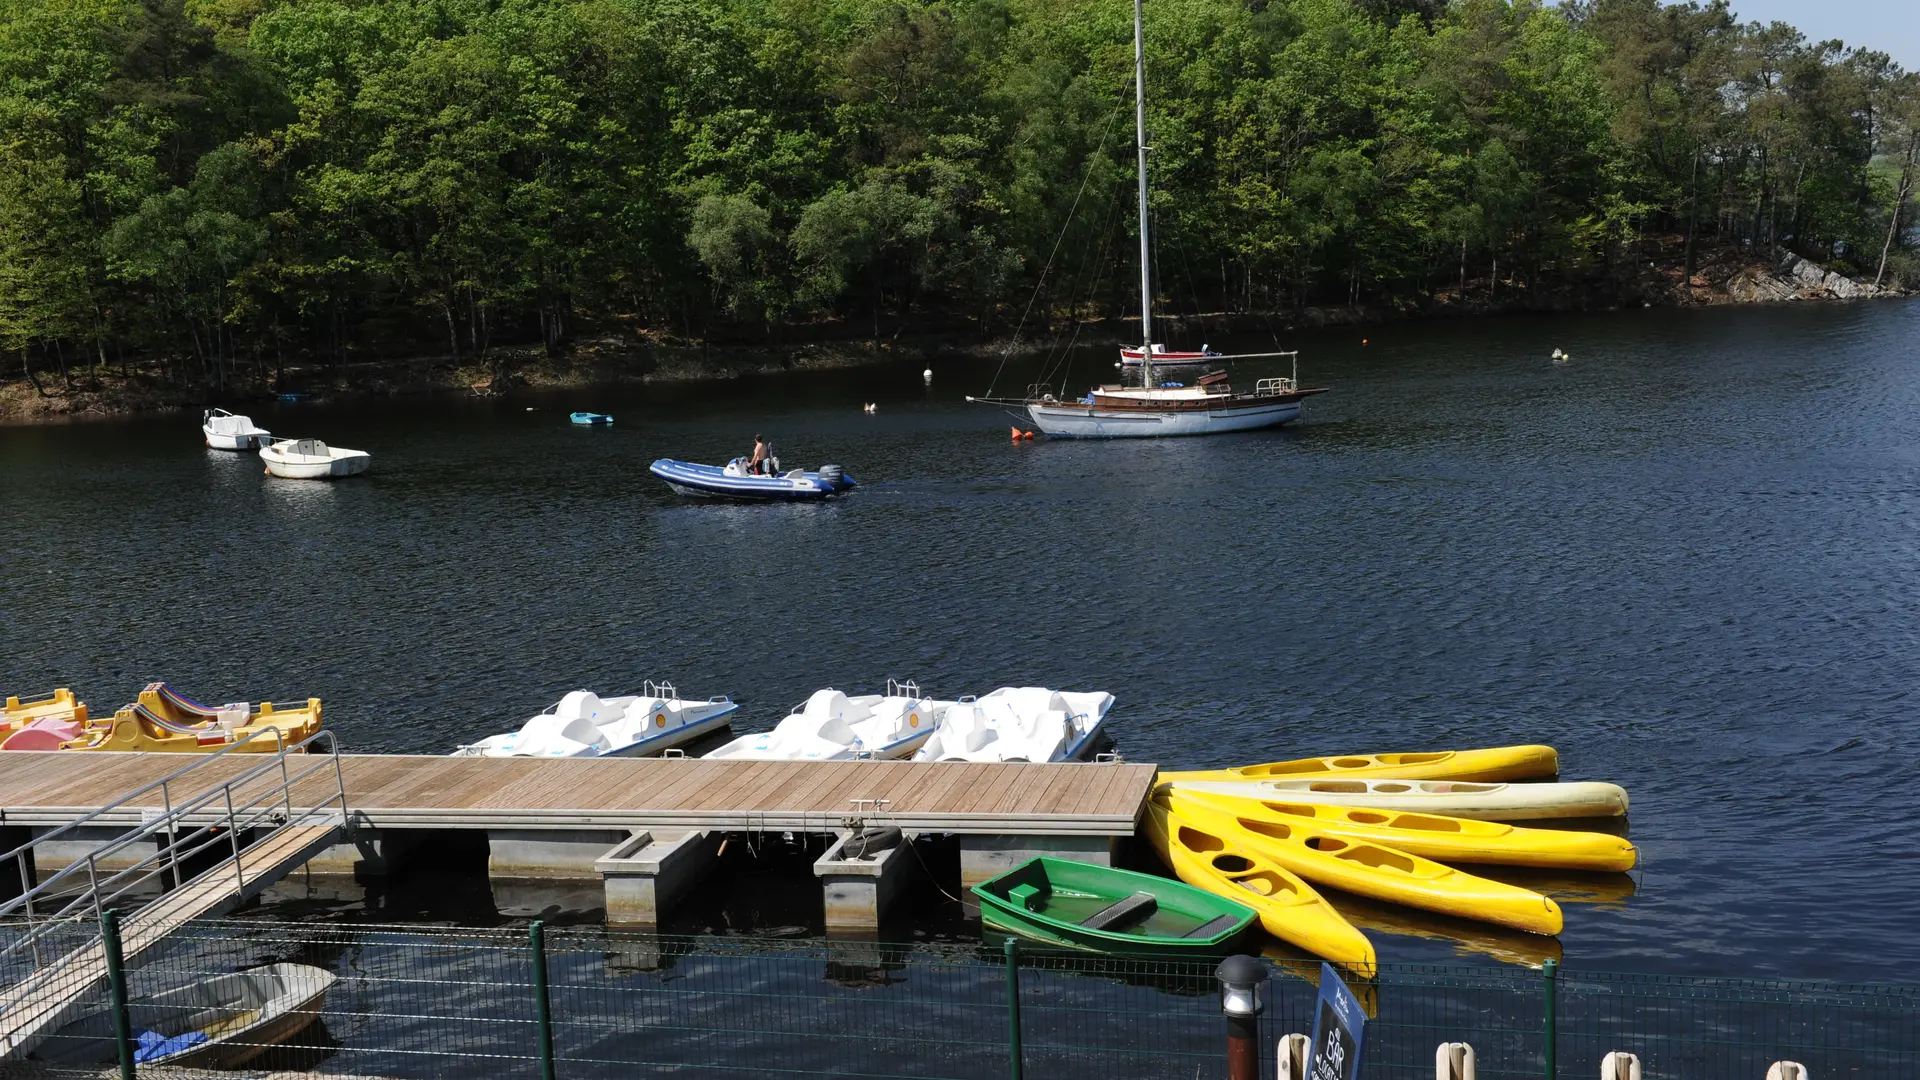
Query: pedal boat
point(1019, 723)
point(830, 726)
point(45, 724)
point(733, 481)
point(1076, 905)
point(163, 719)
point(584, 724)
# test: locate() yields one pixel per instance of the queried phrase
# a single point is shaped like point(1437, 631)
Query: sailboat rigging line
point(1085, 176)
point(1060, 359)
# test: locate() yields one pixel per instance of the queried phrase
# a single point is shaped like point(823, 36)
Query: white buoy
point(927, 375)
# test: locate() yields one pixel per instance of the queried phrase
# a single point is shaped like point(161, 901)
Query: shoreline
point(620, 356)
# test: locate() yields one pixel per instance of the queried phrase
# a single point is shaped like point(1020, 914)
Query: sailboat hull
point(1091, 422)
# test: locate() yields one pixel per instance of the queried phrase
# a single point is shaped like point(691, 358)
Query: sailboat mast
point(1140, 141)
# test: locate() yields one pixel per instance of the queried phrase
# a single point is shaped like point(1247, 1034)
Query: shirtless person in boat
point(754, 467)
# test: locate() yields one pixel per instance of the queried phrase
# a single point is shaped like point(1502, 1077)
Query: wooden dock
point(420, 792)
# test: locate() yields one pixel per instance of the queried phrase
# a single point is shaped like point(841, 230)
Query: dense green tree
point(200, 183)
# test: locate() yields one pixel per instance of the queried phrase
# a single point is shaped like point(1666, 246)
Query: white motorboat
point(1025, 723)
point(231, 431)
point(584, 724)
point(831, 726)
point(311, 459)
point(224, 1021)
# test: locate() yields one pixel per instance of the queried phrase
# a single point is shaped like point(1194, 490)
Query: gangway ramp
point(243, 822)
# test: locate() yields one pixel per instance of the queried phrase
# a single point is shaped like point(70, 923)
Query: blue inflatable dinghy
point(592, 419)
point(733, 481)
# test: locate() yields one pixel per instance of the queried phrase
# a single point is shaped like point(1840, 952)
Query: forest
point(196, 185)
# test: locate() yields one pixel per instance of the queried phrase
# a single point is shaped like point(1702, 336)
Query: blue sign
point(1339, 1027)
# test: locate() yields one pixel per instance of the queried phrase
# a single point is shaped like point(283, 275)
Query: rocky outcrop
point(1795, 278)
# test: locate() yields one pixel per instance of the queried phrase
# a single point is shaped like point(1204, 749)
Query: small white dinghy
point(1449, 798)
point(311, 459)
point(231, 431)
point(584, 724)
point(220, 1022)
point(1024, 723)
point(831, 726)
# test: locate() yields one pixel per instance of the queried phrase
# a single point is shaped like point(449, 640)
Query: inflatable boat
point(734, 481)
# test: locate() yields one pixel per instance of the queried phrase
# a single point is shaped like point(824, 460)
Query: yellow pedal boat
point(1357, 866)
point(1289, 908)
point(165, 720)
point(1446, 839)
point(1488, 765)
point(59, 706)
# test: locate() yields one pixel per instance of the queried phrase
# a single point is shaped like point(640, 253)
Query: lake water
point(1687, 557)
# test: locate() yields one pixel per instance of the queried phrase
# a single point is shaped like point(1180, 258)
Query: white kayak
point(1023, 723)
point(830, 726)
point(311, 459)
point(230, 431)
point(584, 724)
point(1452, 798)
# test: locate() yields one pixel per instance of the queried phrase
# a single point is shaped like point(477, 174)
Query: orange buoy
point(1028, 435)
point(1363, 341)
point(1016, 433)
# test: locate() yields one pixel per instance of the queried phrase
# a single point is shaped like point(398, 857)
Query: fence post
point(1013, 1009)
point(1551, 969)
point(117, 989)
point(542, 1006)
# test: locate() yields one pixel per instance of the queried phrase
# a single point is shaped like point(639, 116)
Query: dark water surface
point(1687, 558)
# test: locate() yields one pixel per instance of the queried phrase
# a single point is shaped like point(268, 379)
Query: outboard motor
point(830, 475)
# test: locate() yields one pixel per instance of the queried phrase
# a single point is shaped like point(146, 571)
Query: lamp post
point(1242, 996)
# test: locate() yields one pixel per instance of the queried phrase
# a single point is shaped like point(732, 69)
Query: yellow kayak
point(1288, 907)
point(165, 720)
point(1445, 839)
point(1490, 765)
point(1357, 866)
point(1453, 798)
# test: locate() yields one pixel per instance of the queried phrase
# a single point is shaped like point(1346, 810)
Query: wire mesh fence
point(419, 1002)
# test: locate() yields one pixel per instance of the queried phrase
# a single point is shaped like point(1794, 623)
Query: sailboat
point(1207, 407)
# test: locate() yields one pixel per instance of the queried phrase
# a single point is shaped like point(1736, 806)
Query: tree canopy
point(205, 180)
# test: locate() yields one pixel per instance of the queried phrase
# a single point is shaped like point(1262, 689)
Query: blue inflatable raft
point(732, 481)
point(591, 419)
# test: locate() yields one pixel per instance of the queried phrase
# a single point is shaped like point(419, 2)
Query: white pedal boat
point(831, 726)
point(584, 724)
point(231, 431)
point(1025, 723)
point(311, 459)
point(1449, 798)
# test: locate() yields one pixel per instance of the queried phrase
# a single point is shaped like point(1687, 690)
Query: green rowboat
point(1078, 905)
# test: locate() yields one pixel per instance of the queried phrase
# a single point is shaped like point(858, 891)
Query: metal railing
point(584, 1003)
point(213, 816)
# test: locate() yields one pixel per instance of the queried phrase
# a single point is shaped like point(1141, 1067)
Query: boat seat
point(1028, 897)
point(1120, 913)
point(1211, 926)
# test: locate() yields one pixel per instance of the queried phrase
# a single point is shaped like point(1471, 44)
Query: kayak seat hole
point(1195, 840)
point(1418, 759)
point(1277, 829)
point(1326, 843)
point(1295, 809)
point(1380, 858)
point(1367, 817)
point(1340, 787)
point(1393, 789)
point(1261, 884)
point(1232, 864)
point(1426, 823)
point(1351, 763)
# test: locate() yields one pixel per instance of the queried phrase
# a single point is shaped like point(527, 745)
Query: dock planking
point(409, 791)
